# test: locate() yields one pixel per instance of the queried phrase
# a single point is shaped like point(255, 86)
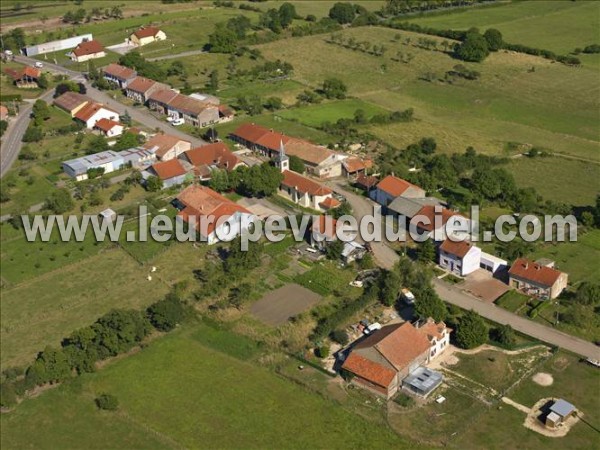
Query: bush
point(471, 331)
point(404, 400)
point(107, 402)
point(340, 336)
point(505, 335)
point(322, 351)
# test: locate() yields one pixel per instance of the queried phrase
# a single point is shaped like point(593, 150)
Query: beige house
point(537, 280)
point(147, 35)
point(87, 50)
point(166, 146)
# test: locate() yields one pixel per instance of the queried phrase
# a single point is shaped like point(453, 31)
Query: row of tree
point(112, 334)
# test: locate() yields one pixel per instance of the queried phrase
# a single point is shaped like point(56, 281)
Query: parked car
point(373, 327)
point(408, 297)
point(356, 283)
point(39, 64)
point(177, 122)
point(171, 118)
point(8, 52)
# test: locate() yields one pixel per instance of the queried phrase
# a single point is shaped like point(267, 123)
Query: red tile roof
point(251, 132)
point(400, 345)
point(202, 202)
point(456, 248)
point(3, 112)
point(395, 186)
point(429, 212)
point(164, 142)
point(119, 71)
point(213, 154)
point(26, 71)
point(330, 203)
point(141, 84)
point(188, 104)
point(146, 32)
point(326, 226)
point(305, 150)
point(369, 370)
point(106, 124)
point(531, 271)
point(168, 169)
point(163, 96)
point(433, 330)
point(89, 110)
point(88, 48)
point(303, 184)
point(366, 181)
point(354, 164)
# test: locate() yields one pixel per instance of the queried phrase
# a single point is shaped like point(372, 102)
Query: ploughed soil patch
point(277, 306)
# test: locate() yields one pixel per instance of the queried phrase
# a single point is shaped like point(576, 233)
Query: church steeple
point(283, 161)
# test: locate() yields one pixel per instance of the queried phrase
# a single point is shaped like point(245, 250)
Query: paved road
point(11, 141)
point(454, 295)
point(361, 206)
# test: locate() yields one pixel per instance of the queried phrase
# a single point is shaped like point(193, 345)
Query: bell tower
point(283, 161)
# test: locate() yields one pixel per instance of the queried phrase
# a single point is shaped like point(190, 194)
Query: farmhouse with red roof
point(214, 217)
point(536, 279)
point(87, 50)
point(147, 35)
point(383, 360)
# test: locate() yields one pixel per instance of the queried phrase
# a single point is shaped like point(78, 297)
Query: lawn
point(576, 382)
point(437, 424)
point(256, 410)
point(495, 369)
point(573, 182)
point(512, 300)
point(314, 116)
point(509, 103)
point(559, 26)
point(326, 278)
point(46, 309)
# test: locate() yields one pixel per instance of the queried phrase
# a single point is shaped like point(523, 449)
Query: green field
point(190, 396)
point(557, 25)
point(549, 108)
point(573, 182)
point(44, 310)
point(577, 382)
point(313, 116)
point(579, 259)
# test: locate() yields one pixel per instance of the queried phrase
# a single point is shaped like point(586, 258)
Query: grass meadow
point(560, 26)
point(43, 310)
point(228, 403)
point(502, 426)
point(550, 107)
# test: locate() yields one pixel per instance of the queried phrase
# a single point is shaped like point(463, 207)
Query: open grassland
point(46, 309)
point(551, 107)
point(30, 12)
point(23, 260)
point(502, 426)
point(315, 115)
point(560, 26)
point(579, 259)
point(209, 405)
point(573, 182)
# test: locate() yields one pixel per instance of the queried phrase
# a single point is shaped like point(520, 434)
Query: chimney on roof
point(526, 265)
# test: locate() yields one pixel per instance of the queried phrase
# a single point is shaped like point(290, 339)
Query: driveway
point(453, 294)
